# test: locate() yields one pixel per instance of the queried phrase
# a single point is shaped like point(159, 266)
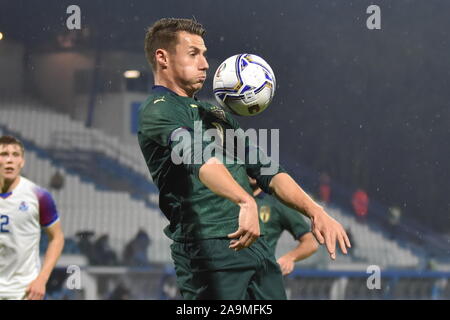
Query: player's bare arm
point(36, 289)
point(219, 180)
point(326, 229)
point(307, 246)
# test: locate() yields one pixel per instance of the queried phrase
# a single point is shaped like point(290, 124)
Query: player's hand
point(36, 290)
point(286, 265)
point(328, 231)
point(248, 230)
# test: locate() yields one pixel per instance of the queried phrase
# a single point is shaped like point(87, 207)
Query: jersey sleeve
point(48, 214)
point(262, 167)
point(172, 126)
point(292, 221)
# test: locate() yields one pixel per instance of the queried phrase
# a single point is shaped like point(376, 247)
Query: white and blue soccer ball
point(244, 84)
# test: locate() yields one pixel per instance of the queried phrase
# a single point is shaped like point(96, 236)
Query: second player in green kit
point(277, 218)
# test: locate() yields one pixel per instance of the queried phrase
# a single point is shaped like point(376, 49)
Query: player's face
point(1, 175)
point(11, 157)
point(187, 63)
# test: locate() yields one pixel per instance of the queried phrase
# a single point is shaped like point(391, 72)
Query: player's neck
point(10, 185)
point(257, 192)
point(161, 80)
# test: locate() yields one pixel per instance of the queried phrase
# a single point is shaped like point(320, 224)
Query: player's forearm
point(214, 175)
point(305, 249)
point(54, 249)
point(292, 195)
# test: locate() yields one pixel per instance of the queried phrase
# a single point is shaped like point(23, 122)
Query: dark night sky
point(371, 108)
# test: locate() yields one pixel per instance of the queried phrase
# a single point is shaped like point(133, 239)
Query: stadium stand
point(81, 149)
point(370, 247)
point(84, 208)
point(108, 190)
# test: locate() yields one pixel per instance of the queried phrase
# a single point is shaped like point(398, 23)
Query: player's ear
point(23, 163)
point(161, 57)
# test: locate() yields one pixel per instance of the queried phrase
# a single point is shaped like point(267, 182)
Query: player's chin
point(197, 86)
point(10, 176)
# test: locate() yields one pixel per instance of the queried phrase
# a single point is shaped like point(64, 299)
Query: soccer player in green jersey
point(276, 218)
point(213, 217)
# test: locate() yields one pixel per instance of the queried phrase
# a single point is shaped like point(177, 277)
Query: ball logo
point(253, 109)
point(220, 69)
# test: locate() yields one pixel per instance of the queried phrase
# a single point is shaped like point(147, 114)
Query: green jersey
point(194, 212)
point(277, 217)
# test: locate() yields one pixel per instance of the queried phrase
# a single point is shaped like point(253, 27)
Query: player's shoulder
point(156, 102)
point(162, 104)
point(28, 185)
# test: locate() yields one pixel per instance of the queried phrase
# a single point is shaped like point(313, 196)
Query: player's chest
point(17, 214)
point(211, 126)
point(211, 117)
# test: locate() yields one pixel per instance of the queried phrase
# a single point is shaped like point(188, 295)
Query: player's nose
point(203, 64)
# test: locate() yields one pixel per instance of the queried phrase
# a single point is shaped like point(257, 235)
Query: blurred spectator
point(324, 188)
point(57, 181)
point(71, 246)
point(135, 252)
point(103, 254)
point(431, 264)
point(360, 202)
point(395, 214)
point(121, 292)
point(85, 244)
point(169, 288)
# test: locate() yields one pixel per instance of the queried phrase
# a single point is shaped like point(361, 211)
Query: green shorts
point(208, 269)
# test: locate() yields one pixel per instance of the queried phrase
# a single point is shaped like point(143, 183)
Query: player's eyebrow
point(197, 49)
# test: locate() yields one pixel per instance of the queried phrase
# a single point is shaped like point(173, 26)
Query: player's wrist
point(314, 211)
point(43, 277)
point(246, 200)
point(289, 257)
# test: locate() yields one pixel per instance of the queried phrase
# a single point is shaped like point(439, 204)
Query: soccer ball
point(244, 84)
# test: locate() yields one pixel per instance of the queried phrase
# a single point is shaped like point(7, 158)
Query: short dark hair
point(6, 140)
point(163, 35)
